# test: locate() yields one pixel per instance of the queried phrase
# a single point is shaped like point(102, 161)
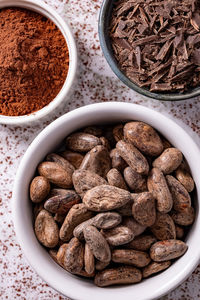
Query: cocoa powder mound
point(34, 61)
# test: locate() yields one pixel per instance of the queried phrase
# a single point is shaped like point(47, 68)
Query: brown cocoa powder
point(34, 61)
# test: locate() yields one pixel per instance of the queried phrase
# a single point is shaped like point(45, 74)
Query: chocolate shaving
point(159, 87)
point(163, 51)
point(195, 21)
point(143, 16)
point(178, 39)
point(153, 21)
point(172, 29)
point(122, 43)
point(125, 8)
point(182, 75)
point(142, 28)
point(161, 67)
point(163, 25)
point(184, 51)
point(196, 57)
point(131, 14)
point(182, 66)
point(138, 56)
point(193, 39)
point(145, 40)
point(160, 75)
point(157, 42)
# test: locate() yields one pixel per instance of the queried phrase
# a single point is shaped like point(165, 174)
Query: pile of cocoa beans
point(115, 204)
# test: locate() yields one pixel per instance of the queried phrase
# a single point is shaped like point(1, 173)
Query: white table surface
point(96, 83)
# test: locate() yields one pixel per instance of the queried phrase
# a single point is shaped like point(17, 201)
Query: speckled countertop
point(96, 83)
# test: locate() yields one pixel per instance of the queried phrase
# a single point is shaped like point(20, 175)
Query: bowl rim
point(104, 42)
point(45, 268)
point(46, 10)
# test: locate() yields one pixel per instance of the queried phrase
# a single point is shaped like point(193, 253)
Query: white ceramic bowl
point(47, 141)
point(66, 90)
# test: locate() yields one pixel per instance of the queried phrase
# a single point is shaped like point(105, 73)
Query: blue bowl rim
point(104, 42)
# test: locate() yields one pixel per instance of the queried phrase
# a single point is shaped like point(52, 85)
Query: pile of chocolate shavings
point(157, 43)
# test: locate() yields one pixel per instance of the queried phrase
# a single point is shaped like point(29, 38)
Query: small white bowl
point(64, 94)
point(48, 140)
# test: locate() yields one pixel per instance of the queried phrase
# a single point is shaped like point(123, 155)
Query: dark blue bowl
point(104, 20)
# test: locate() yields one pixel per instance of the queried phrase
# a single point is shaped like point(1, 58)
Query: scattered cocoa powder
point(34, 61)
